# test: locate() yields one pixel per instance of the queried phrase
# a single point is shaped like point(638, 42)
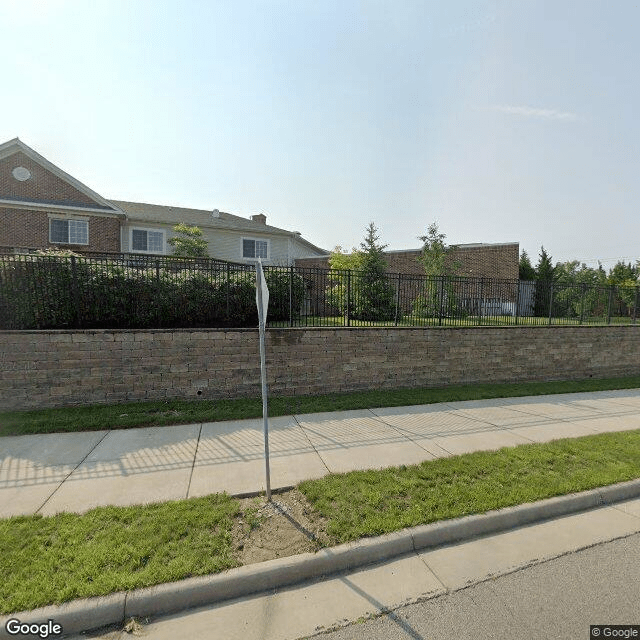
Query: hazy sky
point(502, 121)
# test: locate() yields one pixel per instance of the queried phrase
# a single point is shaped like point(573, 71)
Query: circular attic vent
point(21, 173)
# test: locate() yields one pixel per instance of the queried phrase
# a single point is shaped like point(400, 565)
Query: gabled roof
point(205, 219)
point(16, 145)
point(138, 211)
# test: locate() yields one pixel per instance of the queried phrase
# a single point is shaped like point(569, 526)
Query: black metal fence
point(131, 291)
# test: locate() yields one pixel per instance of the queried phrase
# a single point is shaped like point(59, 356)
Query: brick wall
point(30, 229)
point(57, 368)
point(42, 186)
point(478, 261)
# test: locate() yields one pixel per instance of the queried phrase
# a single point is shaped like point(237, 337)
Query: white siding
point(299, 249)
point(226, 244)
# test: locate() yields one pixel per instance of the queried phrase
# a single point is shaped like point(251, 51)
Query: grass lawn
point(145, 414)
point(367, 503)
point(66, 556)
point(49, 560)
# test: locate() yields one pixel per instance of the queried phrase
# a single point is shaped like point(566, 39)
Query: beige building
point(43, 207)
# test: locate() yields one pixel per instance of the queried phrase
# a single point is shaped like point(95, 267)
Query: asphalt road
point(556, 600)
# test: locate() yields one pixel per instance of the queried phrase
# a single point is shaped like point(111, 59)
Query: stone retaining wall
point(58, 368)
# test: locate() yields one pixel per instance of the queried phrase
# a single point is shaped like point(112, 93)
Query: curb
point(91, 613)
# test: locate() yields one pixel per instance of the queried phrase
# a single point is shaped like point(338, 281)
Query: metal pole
point(348, 297)
point(550, 302)
point(398, 299)
point(441, 300)
point(76, 296)
point(227, 290)
point(635, 306)
point(158, 297)
point(517, 301)
point(584, 290)
point(609, 306)
point(263, 376)
point(291, 296)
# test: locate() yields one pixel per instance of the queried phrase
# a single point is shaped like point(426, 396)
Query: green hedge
point(60, 293)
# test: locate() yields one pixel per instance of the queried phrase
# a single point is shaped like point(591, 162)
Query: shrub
point(44, 292)
point(437, 299)
point(284, 286)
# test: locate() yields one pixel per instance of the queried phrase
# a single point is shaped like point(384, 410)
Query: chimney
point(260, 218)
point(215, 213)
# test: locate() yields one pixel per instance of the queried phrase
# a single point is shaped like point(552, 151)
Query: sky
point(501, 121)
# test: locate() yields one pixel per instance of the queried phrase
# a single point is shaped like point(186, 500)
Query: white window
point(147, 241)
point(68, 231)
point(255, 248)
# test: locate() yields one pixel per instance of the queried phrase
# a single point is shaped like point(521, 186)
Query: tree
point(545, 276)
point(438, 297)
point(525, 268)
point(436, 253)
point(376, 294)
point(341, 259)
point(189, 242)
point(544, 269)
point(575, 294)
point(361, 288)
point(625, 278)
point(622, 273)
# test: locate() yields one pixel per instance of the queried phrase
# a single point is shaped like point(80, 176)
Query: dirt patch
point(285, 527)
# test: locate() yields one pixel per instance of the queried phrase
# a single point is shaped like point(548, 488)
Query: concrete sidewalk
point(78, 471)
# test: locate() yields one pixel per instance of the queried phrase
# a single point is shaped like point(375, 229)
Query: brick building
point(489, 274)
point(43, 207)
point(476, 261)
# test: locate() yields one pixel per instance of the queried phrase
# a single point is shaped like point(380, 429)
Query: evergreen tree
point(545, 276)
point(526, 270)
point(376, 294)
point(544, 269)
point(364, 292)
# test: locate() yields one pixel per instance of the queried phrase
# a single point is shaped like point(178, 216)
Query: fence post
point(480, 301)
point(441, 300)
point(635, 306)
point(158, 315)
point(228, 287)
point(550, 302)
point(74, 290)
point(348, 297)
point(398, 298)
point(517, 302)
point(291, 296)
point(609, 305)
point(584, 291)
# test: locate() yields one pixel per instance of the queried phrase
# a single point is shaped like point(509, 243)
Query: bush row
point(46, 293)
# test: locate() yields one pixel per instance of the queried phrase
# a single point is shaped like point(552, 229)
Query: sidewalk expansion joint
point(72, 472)
point(193, 464)
point(306, 435)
